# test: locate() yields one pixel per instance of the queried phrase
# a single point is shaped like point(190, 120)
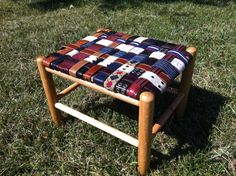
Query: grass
point(202, 143)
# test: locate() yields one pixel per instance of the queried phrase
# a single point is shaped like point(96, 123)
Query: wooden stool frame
point(146, 129)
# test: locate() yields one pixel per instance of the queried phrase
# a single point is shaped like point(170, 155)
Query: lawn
point(202, 143)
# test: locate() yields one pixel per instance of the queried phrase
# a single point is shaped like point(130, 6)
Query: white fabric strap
point(104, 42)
point(126, 68)
point(136, 50)
point(140, 39)
point(90, 38)
point(178, 64)
point(108, 61)
point(154, 79)
point(124, 47)
point(157, 55)
point(72, 53)
point(91, 58)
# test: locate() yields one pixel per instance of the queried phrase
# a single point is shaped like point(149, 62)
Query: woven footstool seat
point(122, 63)
point(131, 68)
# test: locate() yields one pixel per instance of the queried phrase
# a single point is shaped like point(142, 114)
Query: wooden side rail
point(73, 86)
point(96, 123)
point(95, 87)
point(67, 90)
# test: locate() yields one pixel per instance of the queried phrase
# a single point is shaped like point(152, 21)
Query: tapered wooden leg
point(186, 81)
point(50, 91)
point(146, 109)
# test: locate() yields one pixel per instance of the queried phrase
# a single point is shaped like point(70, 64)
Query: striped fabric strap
point(167, 67)
point(179, 55)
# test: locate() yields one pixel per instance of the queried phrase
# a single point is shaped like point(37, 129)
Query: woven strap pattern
point(122, 63)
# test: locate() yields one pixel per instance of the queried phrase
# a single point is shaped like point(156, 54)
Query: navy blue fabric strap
point(99, 78)
point(167, 67)
point(153, 48)
point(113, 66)
point(119, 54)
point(139, 58)
point(60, 59)
point(128, 56)
point(149, 42)
point(108, 50)
point(120, 40)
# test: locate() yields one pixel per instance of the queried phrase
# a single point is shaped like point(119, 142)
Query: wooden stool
point(130, 68)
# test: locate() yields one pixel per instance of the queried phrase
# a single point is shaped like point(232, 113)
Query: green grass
point(202, 143)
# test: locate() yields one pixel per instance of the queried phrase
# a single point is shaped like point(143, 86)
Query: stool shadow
point(191, 132)
point(48, 5)
point(121, 4)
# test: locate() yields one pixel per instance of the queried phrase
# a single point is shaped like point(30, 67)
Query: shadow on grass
point(120, 4)
point(47, 5)
point(191, 132)
point(50, 5)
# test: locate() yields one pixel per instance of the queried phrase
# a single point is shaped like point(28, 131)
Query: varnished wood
point(110, 130)
point(50, 91)
point(146, 109)
point(67, 90)
point(95, 87)
point(146, 129)
point(186, 81)
point(103, 30)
